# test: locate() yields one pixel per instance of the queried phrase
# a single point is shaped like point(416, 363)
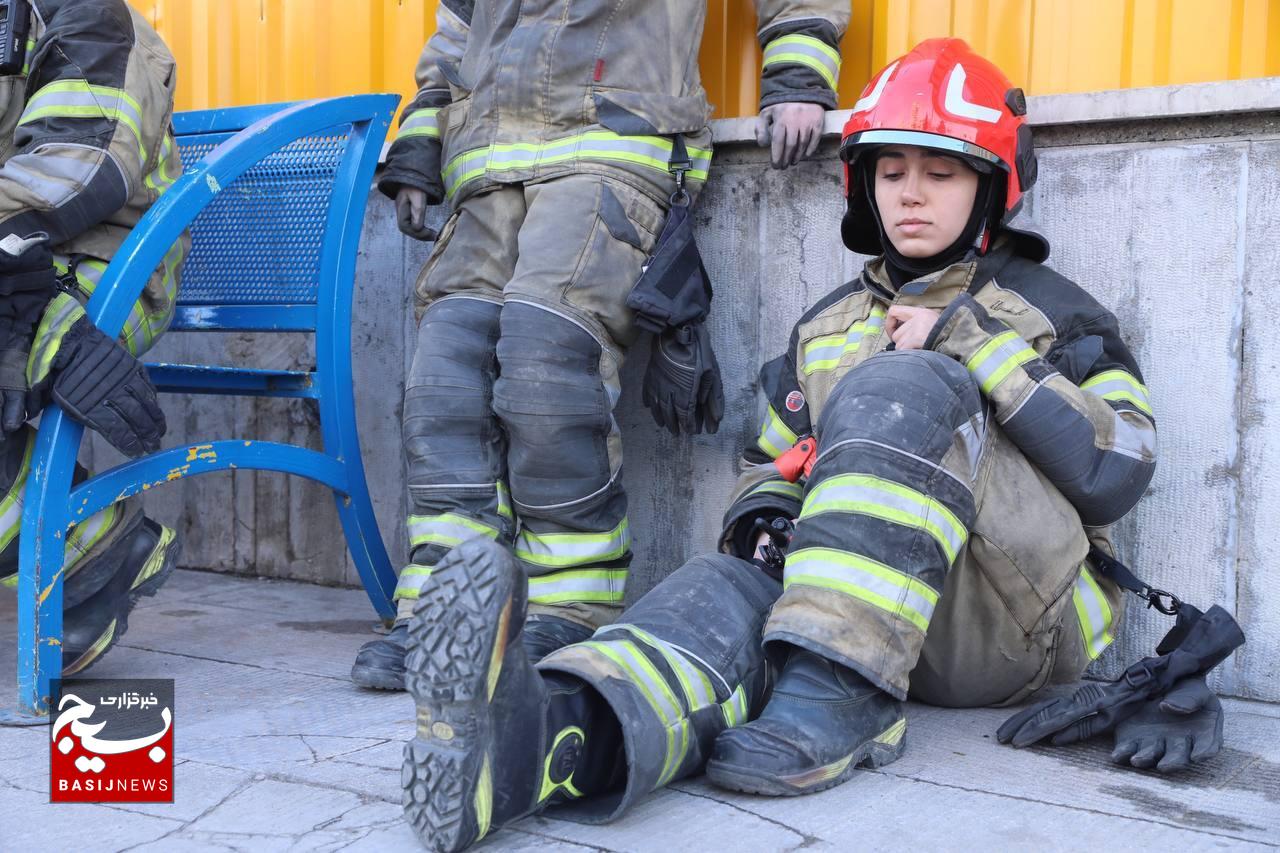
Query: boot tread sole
point(451, 640)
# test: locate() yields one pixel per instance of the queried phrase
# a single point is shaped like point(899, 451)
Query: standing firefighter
point(559, 131)
point(86, 148)
point(974, 423)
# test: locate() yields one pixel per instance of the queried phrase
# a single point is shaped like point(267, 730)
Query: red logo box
point(111, 741)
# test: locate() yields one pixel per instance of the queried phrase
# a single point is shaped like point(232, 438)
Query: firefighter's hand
point(792, 130)
point(909, 327)
point(411, 214)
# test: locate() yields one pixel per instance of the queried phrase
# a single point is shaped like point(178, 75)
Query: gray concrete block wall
point(1169, 223)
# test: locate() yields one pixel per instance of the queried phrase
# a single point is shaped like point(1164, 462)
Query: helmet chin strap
point(975, 236)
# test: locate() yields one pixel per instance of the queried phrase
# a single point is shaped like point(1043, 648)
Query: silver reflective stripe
point(570, 549)
point(86, 534)
point(805, 50)
point(1137, 440)
point(642, 673)
point(894, 502)
point(775, 436)
point(697, 687)
point(889, 589)
point(420, 123)
point(52, 177)
point(597, 585)
point(990, 365)
point(446, 529)
point(970, 435)
point(735, 708)
point(1093, 613)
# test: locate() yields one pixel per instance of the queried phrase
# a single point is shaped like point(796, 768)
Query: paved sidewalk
point(278, 751)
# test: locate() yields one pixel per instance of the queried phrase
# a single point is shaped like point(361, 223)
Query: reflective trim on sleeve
point(889, 501)
point(88, 533)
point(897, 593)
point(797, 49)
point(561, 550)
point(998, 358)
point(1121, 386)
point(596, 586)
point(167, 170)
point(825, 353)
point(775, 436)
point(60, 315)
point(82, 99)
point(420, 123)
point(1093, 613)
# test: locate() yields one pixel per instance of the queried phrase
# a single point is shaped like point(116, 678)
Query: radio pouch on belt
point(15, 23)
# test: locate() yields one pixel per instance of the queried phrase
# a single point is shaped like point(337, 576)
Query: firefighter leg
point(597, 724)
point(886, 512)
point(454, 446)
point(564, 331)
point(112, 559)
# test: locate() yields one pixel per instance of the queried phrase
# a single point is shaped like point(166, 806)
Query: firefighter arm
point(761, 490)
point(1096, 440)
point(414, 157)
point(85, 141)
point(801, 44)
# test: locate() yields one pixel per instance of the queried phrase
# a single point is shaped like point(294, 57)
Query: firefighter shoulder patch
point(795, 401)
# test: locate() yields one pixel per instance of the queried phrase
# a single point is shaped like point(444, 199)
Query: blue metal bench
point(275, 198)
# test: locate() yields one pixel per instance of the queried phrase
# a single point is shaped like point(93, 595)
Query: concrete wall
point(1166, 210)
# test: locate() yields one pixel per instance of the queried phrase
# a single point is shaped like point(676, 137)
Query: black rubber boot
point(496, 741)
point(822, 721)
point(146, 557)
point(543, 635)
point(380, 663)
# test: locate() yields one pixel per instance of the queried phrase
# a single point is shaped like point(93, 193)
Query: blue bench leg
point(41, 551)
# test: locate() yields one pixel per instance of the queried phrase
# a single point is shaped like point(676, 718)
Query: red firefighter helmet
point(944, 96)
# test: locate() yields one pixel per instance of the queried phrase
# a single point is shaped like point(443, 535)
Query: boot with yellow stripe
point(822, 722)
point(496, 740)
point(137, 563)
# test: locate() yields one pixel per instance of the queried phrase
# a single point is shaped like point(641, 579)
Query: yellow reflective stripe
point(805, 50)
point(420, 123)
point(865, 579)
point(561, 550)
point(88, 533)
point(735, 708)
point(11, 507)
point(697, 687)
point(675, 750)
point(1093, 612)
point(482, 801)
point(865, 494)
point(600, 586)
point(825, 353)
point(160, 179)
point(775, 436)
point(447, 529)
point(26, 62)
point(641, 674)
point(61, 313)
point(410, 581)
point(997, 358)
point(779, 487)
point(81, 99)
point(1119, 385)
point(504, 502)
point(652, 152)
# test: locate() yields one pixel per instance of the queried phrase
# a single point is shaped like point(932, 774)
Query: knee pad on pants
point(554, 406)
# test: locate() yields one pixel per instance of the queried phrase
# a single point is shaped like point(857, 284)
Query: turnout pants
point(508, 414)
point(929, 554)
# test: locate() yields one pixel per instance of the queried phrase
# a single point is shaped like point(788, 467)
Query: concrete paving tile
point(197, 788)
point(259, 808)
point(368, 816)
point(386, 756)
point(28, 821)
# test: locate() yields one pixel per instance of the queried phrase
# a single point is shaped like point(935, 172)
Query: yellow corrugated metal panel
point(254, 51)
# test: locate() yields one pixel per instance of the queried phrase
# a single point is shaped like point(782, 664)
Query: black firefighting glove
point(27, 283)
point(99, 384)
point(1191, 649)
point(1173, 732)
point(674, 289)
point(682, 386)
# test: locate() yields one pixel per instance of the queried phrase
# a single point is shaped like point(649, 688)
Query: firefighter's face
point(924, 198)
